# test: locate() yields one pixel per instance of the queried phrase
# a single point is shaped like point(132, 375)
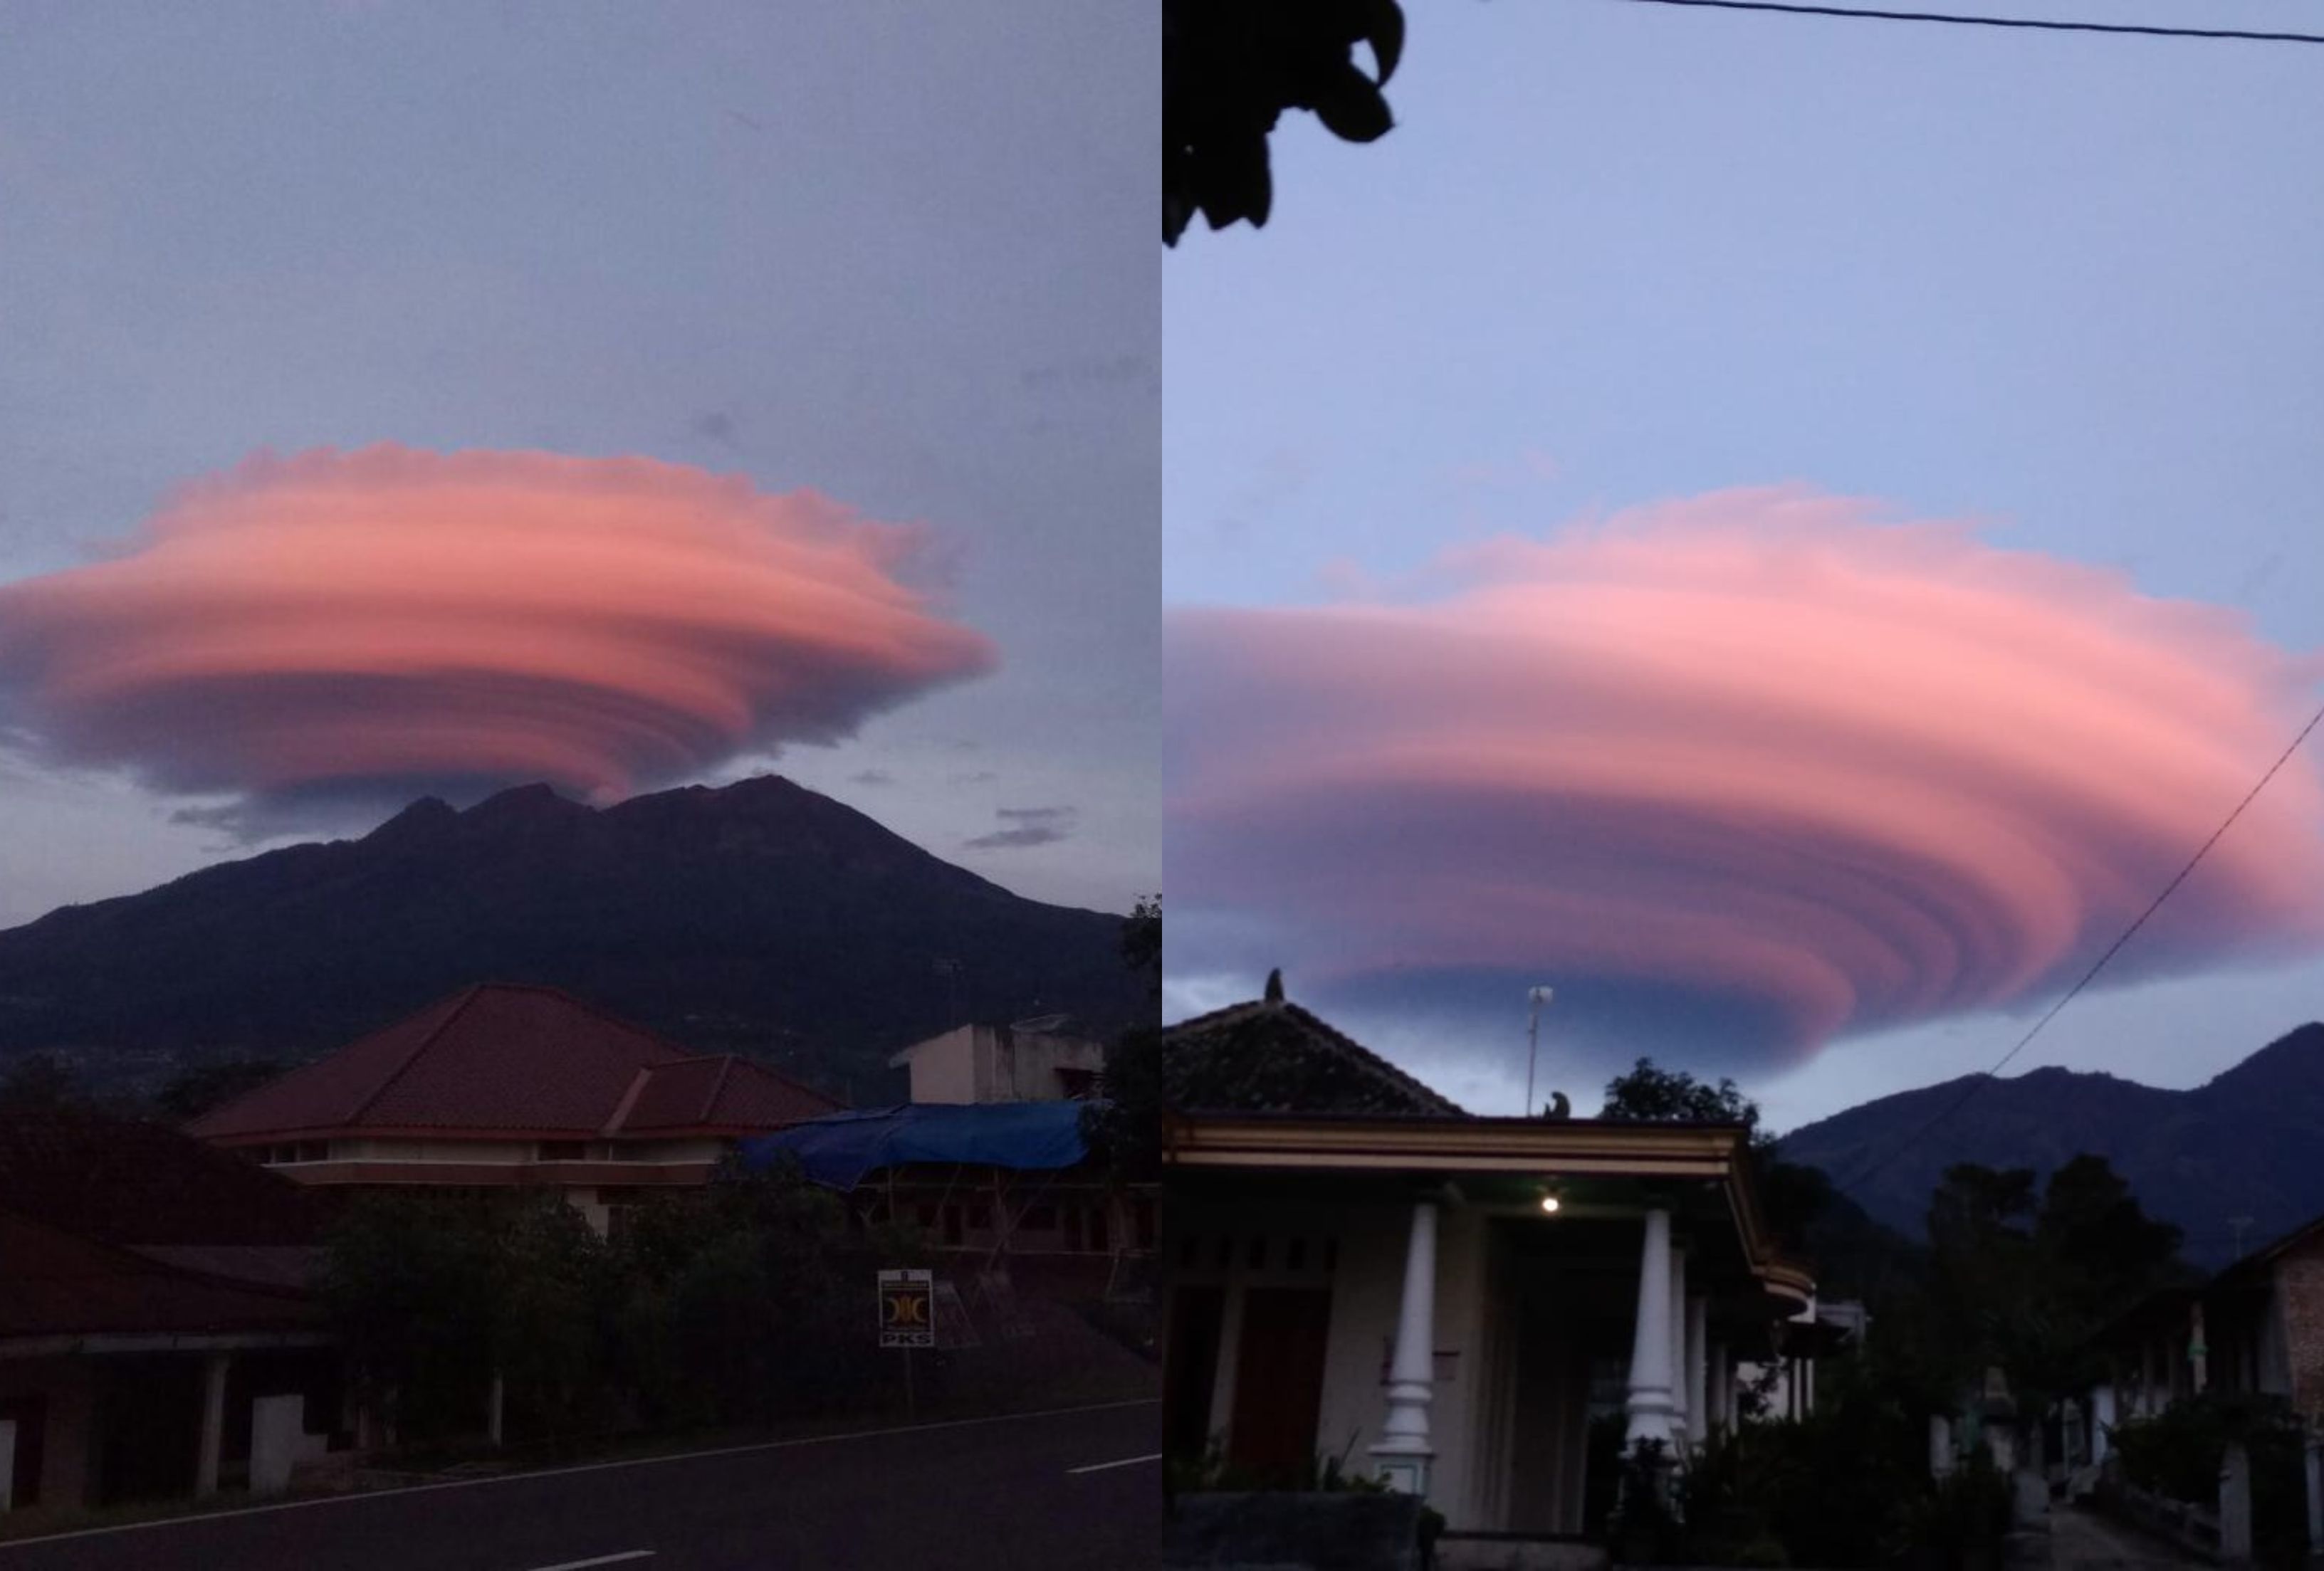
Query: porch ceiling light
point(1549, 1202)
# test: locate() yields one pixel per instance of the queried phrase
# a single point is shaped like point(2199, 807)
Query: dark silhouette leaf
point(1350, 107)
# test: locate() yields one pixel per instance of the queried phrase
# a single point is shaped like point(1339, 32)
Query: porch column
point(1682, 1427)
point(1718, 1379)
point(2101, 1419)
point(1649, 1404)
point(1698, 1383)
point(7, 1463)
point(1403, 1454)
point(498, 1403)
point(2312, 1454)
point(205, 1466)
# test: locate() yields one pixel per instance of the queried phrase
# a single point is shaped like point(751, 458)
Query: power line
point(1975, 1086)
point(1957, 20)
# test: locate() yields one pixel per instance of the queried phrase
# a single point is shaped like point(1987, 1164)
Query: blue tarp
point(839, 1148)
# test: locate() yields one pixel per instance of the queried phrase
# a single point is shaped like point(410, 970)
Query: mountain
point(762, 918)
point(2249, 1144)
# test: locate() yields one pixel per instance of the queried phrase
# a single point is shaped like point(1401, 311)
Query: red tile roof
point(507, 1059)
point(58, 1284)
point(114, 1224)
point(124, 1182)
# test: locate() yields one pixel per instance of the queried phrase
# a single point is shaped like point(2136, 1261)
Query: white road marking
point(600, 1560)
point(1125, 1462)
point(251, 1510)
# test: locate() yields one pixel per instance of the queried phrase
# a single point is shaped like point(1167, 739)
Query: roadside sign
point(908, 1309)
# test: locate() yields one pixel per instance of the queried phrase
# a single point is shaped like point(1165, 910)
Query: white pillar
point(1698, 1391)
point(8, 1464)
point(1403, 1454)
point(499, 1401)
point(2315, 1460)
point(206, 1468)
point(1682, 1427)
point(1649, 1405)
point(1941, 1446)
point(2101, 1419)
point(2235, 1504)
point(1719, 1380)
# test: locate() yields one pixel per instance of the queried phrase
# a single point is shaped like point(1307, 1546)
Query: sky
point(1786, 531)
point(435, 398)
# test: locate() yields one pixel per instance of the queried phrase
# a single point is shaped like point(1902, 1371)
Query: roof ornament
point(1559, 1106)
point(1275, 985)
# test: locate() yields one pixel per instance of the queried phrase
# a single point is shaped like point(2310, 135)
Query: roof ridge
point(644, 1072)
point(1363, 1058)
point(1372, 1062)
point(465, 996)
point(710, 1098)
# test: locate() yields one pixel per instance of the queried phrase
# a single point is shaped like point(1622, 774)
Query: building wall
point(2299, 1295)
point(1366, 1246)
point(987, 1063)
point(68, 1397)
point(944, 1068)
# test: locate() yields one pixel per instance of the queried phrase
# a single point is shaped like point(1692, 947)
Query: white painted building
point(1032, 1060)
point(1392, 1287)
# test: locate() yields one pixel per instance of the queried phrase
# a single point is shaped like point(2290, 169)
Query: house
point(503, 1086)
point(1489, 1312)
point(2257, 1327)
point(156, 1336)
point(1032, 1060)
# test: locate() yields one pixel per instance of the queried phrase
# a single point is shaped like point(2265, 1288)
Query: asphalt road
point(1030, 1494)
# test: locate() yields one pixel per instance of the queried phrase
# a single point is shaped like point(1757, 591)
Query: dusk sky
point(438, 397)
point(1787, 530)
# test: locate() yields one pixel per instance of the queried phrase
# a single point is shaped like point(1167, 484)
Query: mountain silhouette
point(762, 918)
point(2244, 1145)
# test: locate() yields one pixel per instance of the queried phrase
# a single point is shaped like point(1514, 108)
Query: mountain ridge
point(759, 917)
point(2243, 1144)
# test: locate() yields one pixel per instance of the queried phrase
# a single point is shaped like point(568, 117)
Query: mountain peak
point(538, 802)
point(421, 818)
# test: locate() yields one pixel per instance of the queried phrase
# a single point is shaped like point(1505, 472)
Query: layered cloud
point(1747, 772)
point(364, 623)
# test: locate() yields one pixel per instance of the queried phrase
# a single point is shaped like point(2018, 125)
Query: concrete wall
point(68, 1439)
point(987, 1063)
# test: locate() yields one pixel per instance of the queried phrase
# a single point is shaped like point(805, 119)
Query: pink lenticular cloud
point(390, 617)
point(1753, 765)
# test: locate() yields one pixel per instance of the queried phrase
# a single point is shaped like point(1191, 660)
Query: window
point(952, 1234)
point(1041, 1220)
point(1141, 1215)
point(564, 1151)
point(314, 1151)
point(1099, 1241)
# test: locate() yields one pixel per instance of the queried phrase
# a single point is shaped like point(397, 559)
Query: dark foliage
point(195, 1091)
point(1230, 70)
point(2178, 1453)
point(2242, 1145)
point(733, 1305)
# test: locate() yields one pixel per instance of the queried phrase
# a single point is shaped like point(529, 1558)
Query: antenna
point(1535, 998)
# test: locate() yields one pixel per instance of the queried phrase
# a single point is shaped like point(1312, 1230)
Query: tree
point(1124, 1126)
point(2024, 1275)
point(1651, 1095)
point(39, 1079)
point(1229, 72)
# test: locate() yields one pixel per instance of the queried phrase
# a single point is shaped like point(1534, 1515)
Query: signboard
point(908, 1309)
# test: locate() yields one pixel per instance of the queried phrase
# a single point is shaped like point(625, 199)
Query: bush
point(2181, 1451)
